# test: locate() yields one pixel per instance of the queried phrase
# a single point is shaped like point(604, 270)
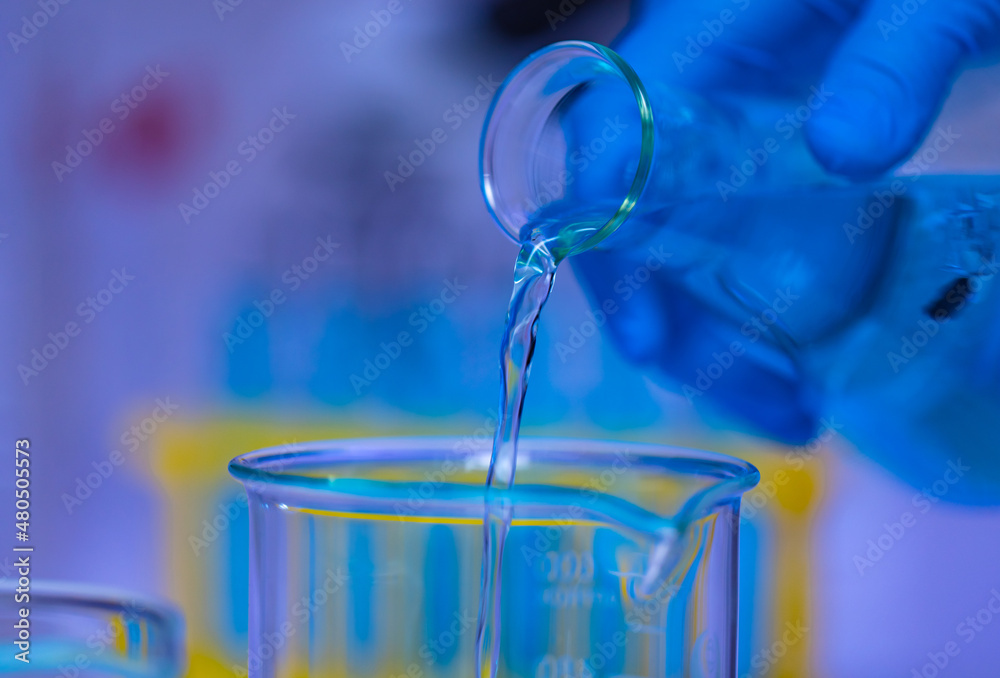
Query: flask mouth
point(569, 130)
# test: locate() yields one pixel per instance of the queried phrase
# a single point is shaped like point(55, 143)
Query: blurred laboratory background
point(218, 217)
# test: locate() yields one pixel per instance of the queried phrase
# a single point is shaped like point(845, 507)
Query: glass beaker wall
point(80, 631)
point(366, 560)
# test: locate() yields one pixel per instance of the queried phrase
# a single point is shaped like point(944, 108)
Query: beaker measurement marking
point(562, 597)
point(441, 520)
point(568, 566)
point(565, 666)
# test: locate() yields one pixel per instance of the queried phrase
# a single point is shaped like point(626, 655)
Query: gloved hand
point(889, 65)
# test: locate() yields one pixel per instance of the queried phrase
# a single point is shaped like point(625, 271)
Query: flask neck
point(567, 147)
point(575, 145)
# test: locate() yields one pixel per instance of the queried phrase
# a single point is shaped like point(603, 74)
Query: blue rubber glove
point(889, 63)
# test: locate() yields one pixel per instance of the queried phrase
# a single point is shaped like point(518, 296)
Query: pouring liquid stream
point(550, 239)
point(534, 274)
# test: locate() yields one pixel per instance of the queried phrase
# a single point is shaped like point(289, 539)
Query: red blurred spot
point(162, 134)
point(153, 133)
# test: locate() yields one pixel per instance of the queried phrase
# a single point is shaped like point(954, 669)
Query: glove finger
point(762, 46)
point(890, 77)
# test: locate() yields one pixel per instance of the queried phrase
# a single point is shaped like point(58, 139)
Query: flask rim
point(516, 82)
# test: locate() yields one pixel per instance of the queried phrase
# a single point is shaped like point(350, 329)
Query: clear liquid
point(547, 241)
point(534, 274)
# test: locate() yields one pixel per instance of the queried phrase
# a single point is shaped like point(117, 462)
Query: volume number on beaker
point(568, 567)
point(568, 596)
point(565, 666)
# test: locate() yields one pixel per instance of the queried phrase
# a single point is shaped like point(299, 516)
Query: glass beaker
point(366, 559)
point(68, 630)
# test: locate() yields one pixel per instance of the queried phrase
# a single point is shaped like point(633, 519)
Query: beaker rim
point(281, 471)
point(154, 650)
point(88, 595)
